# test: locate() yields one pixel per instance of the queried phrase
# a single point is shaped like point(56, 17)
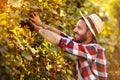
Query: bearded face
point(80, 32)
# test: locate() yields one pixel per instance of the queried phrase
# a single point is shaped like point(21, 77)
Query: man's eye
point(78, 27)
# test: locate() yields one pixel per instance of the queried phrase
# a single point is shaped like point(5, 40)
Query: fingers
point(33, 14)
point(34, 17)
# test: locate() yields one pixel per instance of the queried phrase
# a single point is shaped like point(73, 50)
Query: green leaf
point(27, 55)
point(32, 49)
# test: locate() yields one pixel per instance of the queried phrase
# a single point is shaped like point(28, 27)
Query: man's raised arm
point(34, 17)
point(47, 34)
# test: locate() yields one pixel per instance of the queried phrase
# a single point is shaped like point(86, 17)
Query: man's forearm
point(51, 28)
point(49, 35)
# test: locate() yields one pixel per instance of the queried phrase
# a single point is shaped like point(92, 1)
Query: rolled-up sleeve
point(81, 50)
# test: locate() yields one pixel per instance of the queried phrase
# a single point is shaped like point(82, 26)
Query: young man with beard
point(91, 60)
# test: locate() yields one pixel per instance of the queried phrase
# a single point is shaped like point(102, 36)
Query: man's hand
point(34, 17)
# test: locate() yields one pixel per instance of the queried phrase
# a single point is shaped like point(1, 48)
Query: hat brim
point(88, 23)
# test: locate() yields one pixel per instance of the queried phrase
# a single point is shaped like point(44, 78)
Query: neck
point(93, 40)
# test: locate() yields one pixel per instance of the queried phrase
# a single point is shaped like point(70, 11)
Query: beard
point(79, 38)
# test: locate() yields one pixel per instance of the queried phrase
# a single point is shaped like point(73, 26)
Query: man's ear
point(89, 34)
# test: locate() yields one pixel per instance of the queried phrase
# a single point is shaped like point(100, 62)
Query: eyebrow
point(78, 26)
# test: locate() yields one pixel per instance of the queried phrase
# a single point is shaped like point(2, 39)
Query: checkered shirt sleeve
point(91, 58)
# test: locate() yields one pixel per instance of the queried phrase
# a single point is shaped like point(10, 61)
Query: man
point(91, 61)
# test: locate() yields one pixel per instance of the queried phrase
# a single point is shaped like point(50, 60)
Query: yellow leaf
point(21, 77)
point(48, 67)
point(3, 16)
point(63, 71)
point(16, 4)
point(62, 13)
point(68, 77)
point(40, 0)
point(3, 22)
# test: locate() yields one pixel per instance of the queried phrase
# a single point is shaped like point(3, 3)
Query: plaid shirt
point(91, 58)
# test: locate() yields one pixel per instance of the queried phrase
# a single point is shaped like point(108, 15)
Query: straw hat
point(94, 23)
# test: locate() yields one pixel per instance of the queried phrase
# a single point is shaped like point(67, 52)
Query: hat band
point(92, 26)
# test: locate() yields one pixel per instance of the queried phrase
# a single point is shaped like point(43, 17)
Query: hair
point(94, 39)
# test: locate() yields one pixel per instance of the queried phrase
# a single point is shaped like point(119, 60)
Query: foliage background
point(26, 56)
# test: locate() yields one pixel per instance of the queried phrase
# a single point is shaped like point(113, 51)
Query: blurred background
point(26, 56)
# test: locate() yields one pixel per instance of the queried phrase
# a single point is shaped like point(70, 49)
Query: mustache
point(75, 33)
